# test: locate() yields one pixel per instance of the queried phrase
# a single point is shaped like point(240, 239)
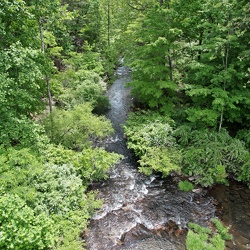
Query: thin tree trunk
point(109, 23)
point(200, 43)
point(225, 64)
point(46, 76)
point(170, 63)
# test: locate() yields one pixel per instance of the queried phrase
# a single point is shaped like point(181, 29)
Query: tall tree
point(153, 56)
point(217, 84)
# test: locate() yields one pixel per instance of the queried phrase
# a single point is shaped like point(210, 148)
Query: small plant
point(204, 238)
point(223, 231)
point(185, 186)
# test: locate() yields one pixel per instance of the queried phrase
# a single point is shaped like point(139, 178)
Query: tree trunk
point(200, 43)
point(225, 65)
point(109, 23)
point(46, 76)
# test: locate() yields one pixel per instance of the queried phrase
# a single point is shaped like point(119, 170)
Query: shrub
point(199, 237)
point(185, 185)
point(22, 132)
point(163, 160)
point(75, 128)
point(21, 228)
point(211, 156)
point(90, 164)
point(17, 169)
point(244, 172)
point(148, 129)
point(150, 135)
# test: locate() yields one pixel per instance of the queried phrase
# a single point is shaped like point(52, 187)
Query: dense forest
point(191, 113)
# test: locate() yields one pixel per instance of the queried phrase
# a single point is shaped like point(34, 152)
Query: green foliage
point(244, 172)
point(185, 186)
point(90, 164)
point(93, 164)
point(18, 168)
point(89, 61)
point(58, 189)
point(151, 56)
point(61, 193)
point(49, 185)
point(244, 135)
point(22, 132)
point(160, 159)
point(80, 82)
point(151, 138)
point(148, 129)
point(75, 128)
point(210, 155)
point(203, 238)
point(222, 231)
point(21, 228)
point(202, 117)
point(21, 75)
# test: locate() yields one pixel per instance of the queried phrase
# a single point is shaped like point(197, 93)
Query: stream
point(141, 212)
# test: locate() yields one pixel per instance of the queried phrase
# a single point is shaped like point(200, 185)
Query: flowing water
point(140, 212)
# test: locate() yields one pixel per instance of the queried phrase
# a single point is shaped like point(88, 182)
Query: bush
point(211, 156)
point(21, 228)
point(148, 129)
point(80, 82)
point(185, 186)
point(76, 128)
point(58, 189)
point(17, 170)
point(151, 137)
point(39, 188)
point(61, 193)
point(162, 160)
point(90, 164)
point(244, 172)
point(199, 237)
point(21, 132)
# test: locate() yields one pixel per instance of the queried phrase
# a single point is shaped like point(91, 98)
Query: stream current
point(140, 212)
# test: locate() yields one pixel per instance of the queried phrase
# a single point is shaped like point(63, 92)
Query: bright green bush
point(150, 135)
point(222, 231)
point(75, 128)
point(17, 170)
point(88, 87)
point(148, 129)
point(93, 164)
point(211, 156)
point(21, 228)
point(54, 188)
point(185, 185)
point(199, 237)
point(58, 189)
point(159, 159)
point(90, 164)
point(80, 82)
point(61, 193)
point(22, 132)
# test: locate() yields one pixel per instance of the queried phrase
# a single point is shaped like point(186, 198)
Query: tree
point(217, 84)
point(152, 57)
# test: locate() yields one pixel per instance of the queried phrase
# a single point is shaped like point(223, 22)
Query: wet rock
point(197, 190)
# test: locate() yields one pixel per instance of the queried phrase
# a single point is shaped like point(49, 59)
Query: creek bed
point(140, 212)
